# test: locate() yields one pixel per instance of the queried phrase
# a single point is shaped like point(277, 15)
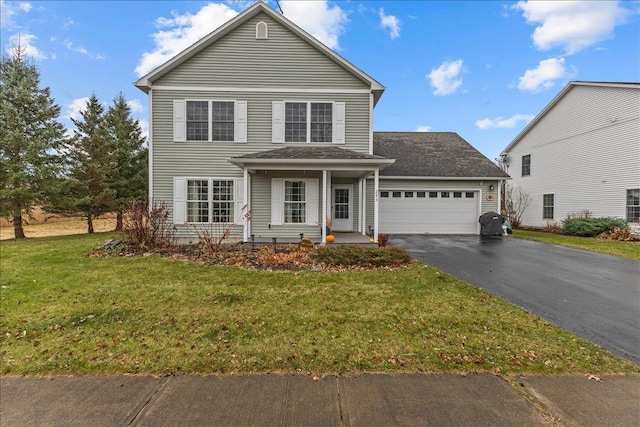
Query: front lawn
point(629, 250)
point(63, 312)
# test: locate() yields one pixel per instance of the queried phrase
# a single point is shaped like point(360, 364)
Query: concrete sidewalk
point(298, 400)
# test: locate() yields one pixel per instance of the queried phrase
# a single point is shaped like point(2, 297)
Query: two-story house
point(261, 125)
point(580, 153)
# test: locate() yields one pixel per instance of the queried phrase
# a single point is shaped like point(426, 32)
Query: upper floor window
point(311, 122)
point(547, 206)
point(526, 165)
point(209, 120)
point(633, 205)
point(308, 121)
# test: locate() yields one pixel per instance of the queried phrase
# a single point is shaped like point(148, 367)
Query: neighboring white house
point(258, 124)
point(581, 153)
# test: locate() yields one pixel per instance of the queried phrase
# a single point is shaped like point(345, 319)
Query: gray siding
point(585, 151)
point(283, 60)
point(261, 206)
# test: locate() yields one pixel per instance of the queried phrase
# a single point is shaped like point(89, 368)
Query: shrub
point(590, 227)
point(146, 228)
point(354, 255)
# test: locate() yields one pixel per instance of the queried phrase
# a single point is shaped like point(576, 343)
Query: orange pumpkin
point(331, 238)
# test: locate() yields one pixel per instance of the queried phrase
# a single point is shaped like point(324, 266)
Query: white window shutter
point(312, 201)
point(179, 200)
point(277, 122)
point(179, 120)
point(339, 122)
point(240, 115)
point(277, 201)
point(240, 201)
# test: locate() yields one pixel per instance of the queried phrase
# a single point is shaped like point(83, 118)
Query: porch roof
point(311, 158)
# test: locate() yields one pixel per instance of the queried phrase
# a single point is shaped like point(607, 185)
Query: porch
point(342, 238)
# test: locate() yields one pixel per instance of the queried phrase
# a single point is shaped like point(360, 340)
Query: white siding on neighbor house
point(488, 198)
point(585, 151)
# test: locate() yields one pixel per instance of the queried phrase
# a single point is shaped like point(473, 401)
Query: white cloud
point(572, 25)
point(144, 127)
point(76, 107)
point(390, 22)
point(501, 123)
point(69, 45)
point(135, 105)
point(318, 19)
point(26, 43)
point(8, 9)
point(446, 78)
point(544, 76)
point(181, 31)
point(423, 129)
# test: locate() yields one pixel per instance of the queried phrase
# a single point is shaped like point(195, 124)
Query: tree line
point(101, 167)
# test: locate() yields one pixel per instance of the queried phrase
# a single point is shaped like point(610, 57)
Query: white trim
point(335, 187)
point(260, 36)
point(376, 201)
point(445, 178)
point(247, 201)
point(371, 105)
point(237, 184)
point(261, 89)
point(323, 230)
point(150, 148)
point(364, 207)
point(239, 120)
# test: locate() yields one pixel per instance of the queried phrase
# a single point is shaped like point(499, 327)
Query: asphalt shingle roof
point(432, 154)
point(310, 153)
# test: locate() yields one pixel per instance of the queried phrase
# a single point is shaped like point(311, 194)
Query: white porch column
point(324, 207)
point(364, 206)
point(247, 201)
point(376, 198)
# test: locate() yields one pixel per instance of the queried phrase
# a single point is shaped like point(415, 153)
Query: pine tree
point(30, 140)
point(129, 180)
point(92, 162)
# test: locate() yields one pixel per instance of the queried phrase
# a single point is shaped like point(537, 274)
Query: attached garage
point(438, 184)
point(429, 211)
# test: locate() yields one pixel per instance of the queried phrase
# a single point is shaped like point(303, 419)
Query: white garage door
point(447, 212)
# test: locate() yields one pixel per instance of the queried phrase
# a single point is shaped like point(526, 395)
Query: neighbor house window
point(295, 202)
point(308, 121)
point(547, 206)
point(210, 201)
point(633, 205)
point(526, 165)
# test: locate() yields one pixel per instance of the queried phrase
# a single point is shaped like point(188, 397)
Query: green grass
point(629, 250)
point(64, 312)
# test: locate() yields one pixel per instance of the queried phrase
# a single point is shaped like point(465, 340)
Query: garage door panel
point(439, 214)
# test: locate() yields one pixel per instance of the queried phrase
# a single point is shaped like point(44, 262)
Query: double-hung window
point(547, 206)
point(526, 165)
point(209, 120)
point(295, 202)
point(308, 122)
point(633, 205)
point(208, 200)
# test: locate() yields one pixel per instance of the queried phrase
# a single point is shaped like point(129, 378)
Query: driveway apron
point(595, 296)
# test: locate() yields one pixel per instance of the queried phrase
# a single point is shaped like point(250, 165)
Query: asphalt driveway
point(594, 296)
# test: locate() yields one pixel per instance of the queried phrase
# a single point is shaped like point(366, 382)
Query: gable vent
point(262, 30)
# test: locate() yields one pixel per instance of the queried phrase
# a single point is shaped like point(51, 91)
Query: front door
point(342, 218)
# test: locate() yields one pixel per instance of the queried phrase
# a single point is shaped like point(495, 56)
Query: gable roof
point(434, 155)
point(145, 83)
point(559, 97)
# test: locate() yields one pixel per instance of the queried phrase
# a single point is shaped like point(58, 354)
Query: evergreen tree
point(92, 162)
point(30, 140)
point(129, 180)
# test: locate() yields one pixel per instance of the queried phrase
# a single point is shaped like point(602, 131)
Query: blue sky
point(482, 69)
